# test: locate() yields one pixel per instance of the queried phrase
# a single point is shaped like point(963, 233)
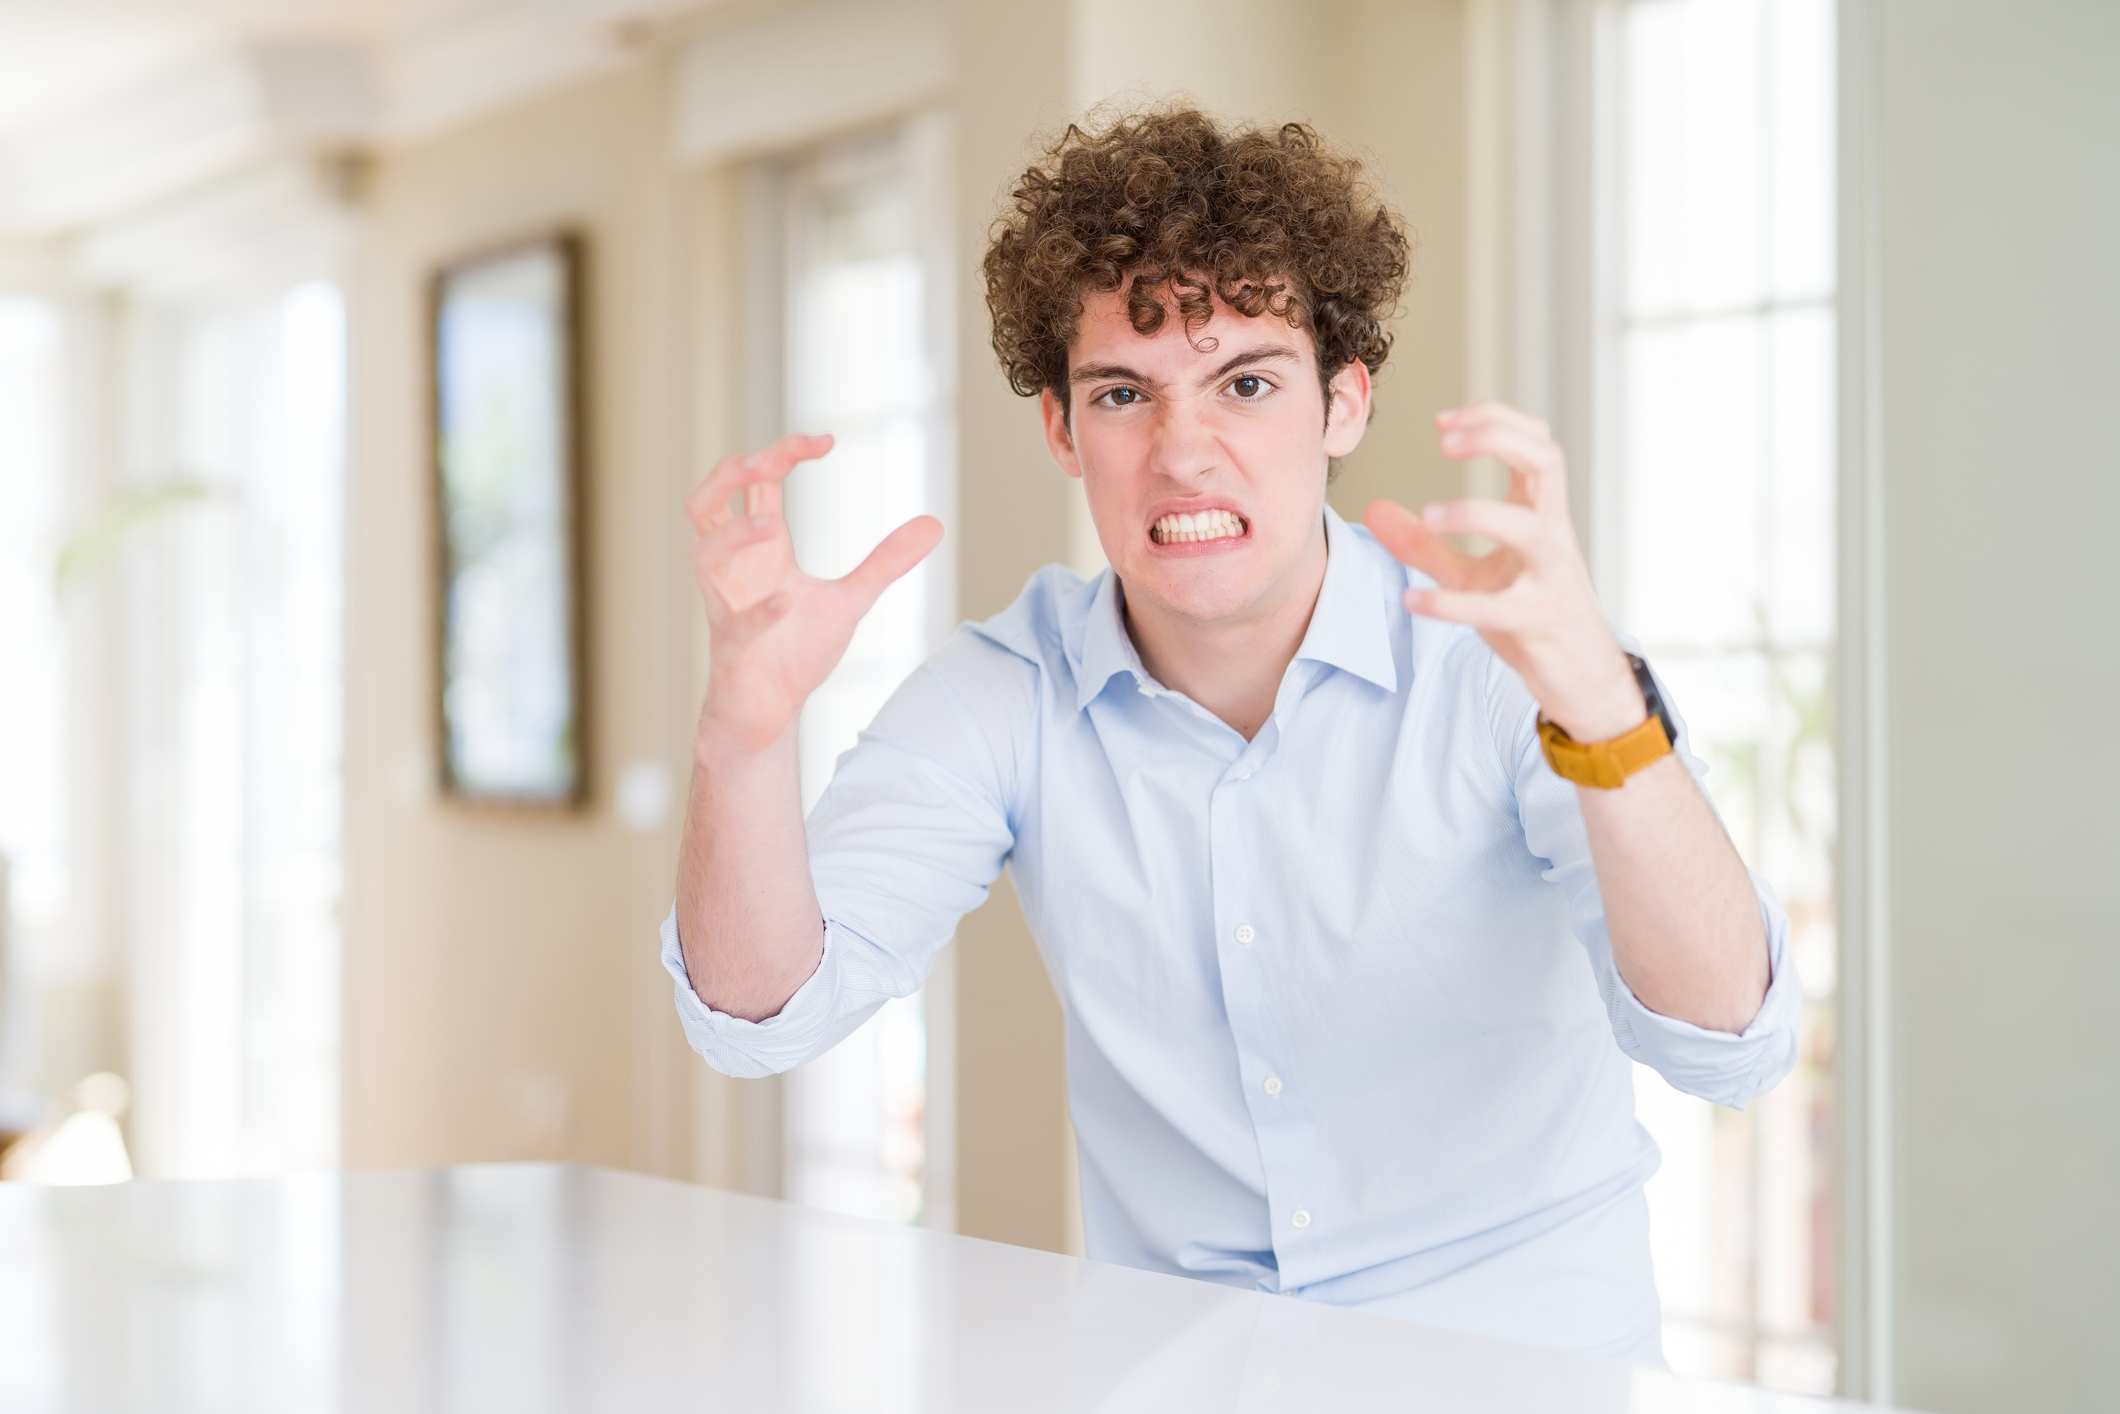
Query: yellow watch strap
point(1603, 764)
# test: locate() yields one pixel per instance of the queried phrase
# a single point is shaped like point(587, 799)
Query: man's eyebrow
point(1264, 353)
point(1091, 372)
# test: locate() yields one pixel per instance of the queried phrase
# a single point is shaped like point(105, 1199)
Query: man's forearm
point(747, 911)
point(1686, 929)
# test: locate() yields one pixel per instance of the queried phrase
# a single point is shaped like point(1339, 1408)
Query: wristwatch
point(1607, 764)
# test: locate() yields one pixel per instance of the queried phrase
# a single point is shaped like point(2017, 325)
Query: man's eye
point(1121, 397)
point(1249, 386)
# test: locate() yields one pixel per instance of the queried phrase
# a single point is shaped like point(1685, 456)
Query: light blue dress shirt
point(1342, 1014)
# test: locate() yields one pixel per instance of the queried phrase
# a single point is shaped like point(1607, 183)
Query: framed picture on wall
point(508, 417)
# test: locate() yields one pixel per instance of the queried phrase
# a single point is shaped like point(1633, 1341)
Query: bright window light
point(1722, 560)
point(860, 364)
point(234, 625)
point(33, 737)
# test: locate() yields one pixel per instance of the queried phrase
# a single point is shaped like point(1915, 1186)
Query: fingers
point(1524, 537)
point(1485, 612)
point(1414, 542)
point(763, 498)
point(735, 565)
point(1517, 440)
point(734, 631)
point(714, 548)
point(1512, 446)
point(708, 503)
point(902, 549)
point(1519, 527)
point(1483, 411)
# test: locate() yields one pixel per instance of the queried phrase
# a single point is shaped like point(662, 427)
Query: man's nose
point(1184, 450)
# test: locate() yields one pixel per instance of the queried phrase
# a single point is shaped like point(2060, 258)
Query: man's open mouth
point(1198, 526)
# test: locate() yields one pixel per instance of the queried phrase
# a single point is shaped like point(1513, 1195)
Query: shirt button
point(1273, 1084)
point(1245, 934)
point(1300, 1217)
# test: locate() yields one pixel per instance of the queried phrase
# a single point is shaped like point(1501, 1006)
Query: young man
point(1352, 971)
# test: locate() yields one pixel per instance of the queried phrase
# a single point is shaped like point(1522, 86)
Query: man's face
point(1204, 454)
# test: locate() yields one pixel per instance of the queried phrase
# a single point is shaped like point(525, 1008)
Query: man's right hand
point(776, 632)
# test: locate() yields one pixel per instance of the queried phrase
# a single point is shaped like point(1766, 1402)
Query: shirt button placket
point(1273, 1118)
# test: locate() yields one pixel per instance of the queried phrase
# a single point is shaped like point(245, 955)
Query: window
point(1717, 550)
point(231, 624)
point(864, 324)
point(34, 810)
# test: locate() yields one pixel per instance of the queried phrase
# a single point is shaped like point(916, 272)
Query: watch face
point(1651, 698)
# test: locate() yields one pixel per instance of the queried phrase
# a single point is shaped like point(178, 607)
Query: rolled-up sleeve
point(839, 996)
point(1714, 1065)
point(908, 837)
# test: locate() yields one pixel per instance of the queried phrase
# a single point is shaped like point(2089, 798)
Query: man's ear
point(1059, 438)
point(1347, 417)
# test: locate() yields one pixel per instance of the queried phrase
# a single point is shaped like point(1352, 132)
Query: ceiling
point(57, 58)
point(105, 104)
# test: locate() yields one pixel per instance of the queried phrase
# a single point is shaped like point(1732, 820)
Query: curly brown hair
point(1269, 222)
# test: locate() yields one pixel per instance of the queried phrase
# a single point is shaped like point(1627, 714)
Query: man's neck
point(1232, 667)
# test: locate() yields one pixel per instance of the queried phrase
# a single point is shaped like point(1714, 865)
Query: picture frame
point(506, 450)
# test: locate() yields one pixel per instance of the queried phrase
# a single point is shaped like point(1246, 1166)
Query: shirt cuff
point(1716, 1065)
point(749, 1049)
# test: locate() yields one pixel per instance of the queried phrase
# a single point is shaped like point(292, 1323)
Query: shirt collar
point(1349, 629)
point(1106, 649)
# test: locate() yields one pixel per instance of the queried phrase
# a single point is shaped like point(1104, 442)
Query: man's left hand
point(1531, 597)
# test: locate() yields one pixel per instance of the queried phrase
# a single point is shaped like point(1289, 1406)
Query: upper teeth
point(1199, 525)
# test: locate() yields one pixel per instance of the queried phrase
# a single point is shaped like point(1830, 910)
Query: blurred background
point(1817, 295)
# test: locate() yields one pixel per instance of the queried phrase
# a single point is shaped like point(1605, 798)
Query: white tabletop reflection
point(533, 1287)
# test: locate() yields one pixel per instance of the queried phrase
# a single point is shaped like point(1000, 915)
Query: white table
point(533, 1287)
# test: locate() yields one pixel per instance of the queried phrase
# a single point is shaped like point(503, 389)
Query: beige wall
point(1998, 215)
point(493, 955)
point(1013, 1157)
point(1397, 87)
